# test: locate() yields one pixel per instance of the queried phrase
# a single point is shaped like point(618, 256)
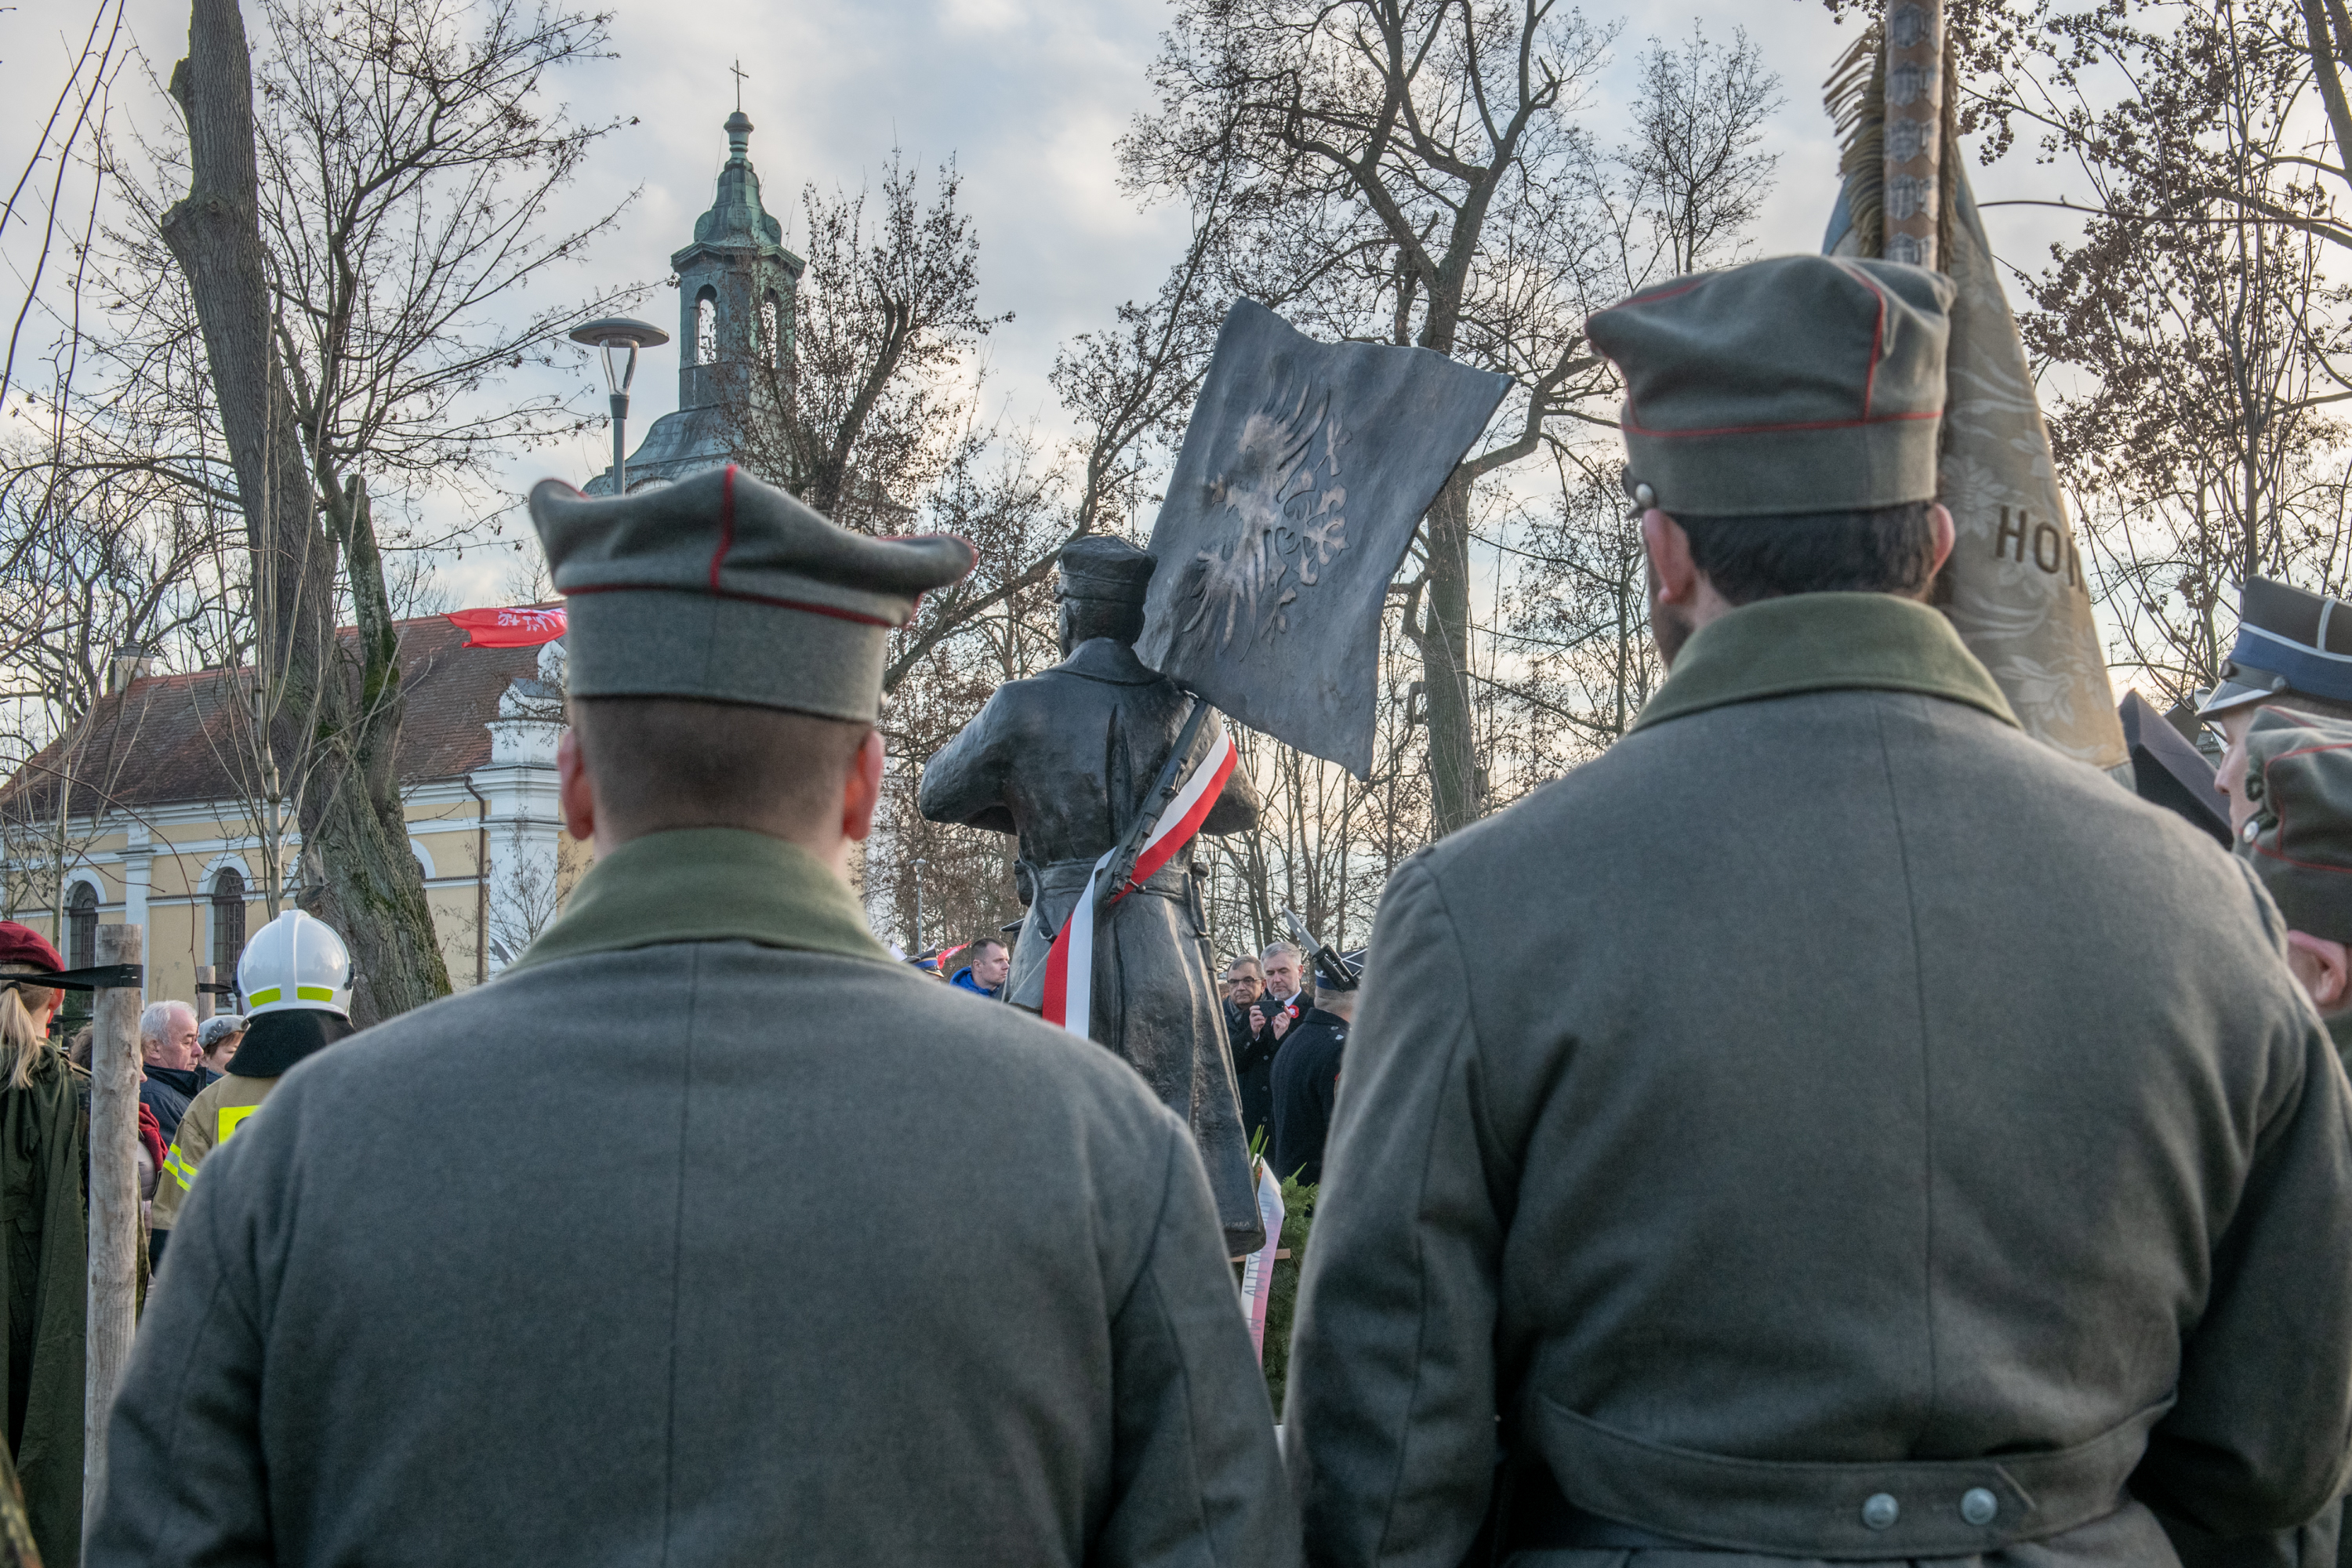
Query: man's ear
point(1673, 576)
point(1941, 517)
point(2325, 967)
point(861, 791)
point(575, 794)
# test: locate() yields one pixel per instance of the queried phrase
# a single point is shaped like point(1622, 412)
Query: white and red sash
point(1070, 963)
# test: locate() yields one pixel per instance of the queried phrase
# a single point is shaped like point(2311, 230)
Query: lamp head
point(617, 340)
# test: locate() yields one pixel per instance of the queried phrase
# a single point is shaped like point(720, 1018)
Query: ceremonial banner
point(1304, 472)
point(2014, 589)
point(508, 629)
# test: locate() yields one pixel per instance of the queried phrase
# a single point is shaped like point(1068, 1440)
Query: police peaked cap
point(2289, 640)
point(723, 589)
point(1802, 384)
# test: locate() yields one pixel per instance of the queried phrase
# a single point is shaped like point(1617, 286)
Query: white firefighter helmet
point(295, 962)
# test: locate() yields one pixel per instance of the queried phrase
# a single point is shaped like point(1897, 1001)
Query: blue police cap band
point(2312, 670)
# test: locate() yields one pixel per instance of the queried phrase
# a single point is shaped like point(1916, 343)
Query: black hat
point(2289, 640)
point(1336, 972)
point(1099, 568)
point(2168, 771)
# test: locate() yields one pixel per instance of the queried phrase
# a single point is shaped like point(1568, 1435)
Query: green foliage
point(1298, 1216)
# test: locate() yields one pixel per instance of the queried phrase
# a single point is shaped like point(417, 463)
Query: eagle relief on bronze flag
point(1304, 472)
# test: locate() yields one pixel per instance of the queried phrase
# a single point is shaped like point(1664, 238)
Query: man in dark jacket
point(1307, 1082)
point(1253, 1046)
point(171, 1060)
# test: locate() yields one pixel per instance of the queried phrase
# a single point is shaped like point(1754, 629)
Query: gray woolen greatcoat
point(1805, 1090)
point(703, 1253)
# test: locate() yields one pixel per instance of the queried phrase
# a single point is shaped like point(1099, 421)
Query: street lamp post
point(609, 336)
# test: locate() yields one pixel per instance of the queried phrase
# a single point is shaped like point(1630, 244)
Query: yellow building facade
point(141, 810)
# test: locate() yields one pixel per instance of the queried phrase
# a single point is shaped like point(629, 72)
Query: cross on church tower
point(739, 73)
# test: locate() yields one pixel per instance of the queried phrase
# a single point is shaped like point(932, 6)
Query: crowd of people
point(1286, 1043)
point(1830, 1126)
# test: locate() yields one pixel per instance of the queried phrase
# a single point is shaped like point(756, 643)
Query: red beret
point(23, 944)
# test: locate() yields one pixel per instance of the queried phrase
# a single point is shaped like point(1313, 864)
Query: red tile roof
point(172, 738)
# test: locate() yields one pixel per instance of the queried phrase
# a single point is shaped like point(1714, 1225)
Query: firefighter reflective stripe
point(181, 1170)
point(258, 997)
point(314, 994)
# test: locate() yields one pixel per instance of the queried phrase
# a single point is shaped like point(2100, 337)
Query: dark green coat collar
point(707, 884)
point(1825, 642)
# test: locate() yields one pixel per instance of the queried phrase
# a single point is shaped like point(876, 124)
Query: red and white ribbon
point(1070, 963)
point(1257, 1273)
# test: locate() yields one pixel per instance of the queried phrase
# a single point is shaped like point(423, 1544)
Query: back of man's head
point(1883, 550)
point(1785, 415)
point(663, 763)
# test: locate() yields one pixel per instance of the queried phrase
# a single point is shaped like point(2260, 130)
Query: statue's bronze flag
point(2015, 589)
point(1303, 471)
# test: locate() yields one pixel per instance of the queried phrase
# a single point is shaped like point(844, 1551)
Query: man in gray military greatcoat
point(1065, 759)
point(595, 1264)
point(1904, 1145)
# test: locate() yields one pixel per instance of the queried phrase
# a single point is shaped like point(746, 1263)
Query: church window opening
point(228, 918)
point(771, 327)
point(705, 327)
point(81, 926)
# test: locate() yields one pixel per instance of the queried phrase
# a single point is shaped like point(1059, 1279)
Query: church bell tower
point(737, 286)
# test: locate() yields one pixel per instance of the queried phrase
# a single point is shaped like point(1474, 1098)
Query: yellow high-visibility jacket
point(211, 1118)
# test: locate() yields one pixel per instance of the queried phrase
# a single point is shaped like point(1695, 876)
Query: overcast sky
point(1028, 96)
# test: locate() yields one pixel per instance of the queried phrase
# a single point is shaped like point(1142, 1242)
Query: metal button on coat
point(1978, 1506)
point(1880, 1510)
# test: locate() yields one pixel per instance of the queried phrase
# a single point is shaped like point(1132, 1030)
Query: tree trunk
point(373, 882)
point(326, 743)
point(1443, 639)
point(113, 1203)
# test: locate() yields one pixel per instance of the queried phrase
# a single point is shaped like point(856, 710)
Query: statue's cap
point(1098, 568)
point(1802, 384)
point(721, 588)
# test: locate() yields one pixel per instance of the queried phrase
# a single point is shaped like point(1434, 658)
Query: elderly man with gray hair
point(169, 1057)
point(1267, 1020)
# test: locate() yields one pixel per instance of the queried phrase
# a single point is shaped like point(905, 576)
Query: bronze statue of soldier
point(1065, 760)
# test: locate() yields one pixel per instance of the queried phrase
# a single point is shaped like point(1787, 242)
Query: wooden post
point(203, 998)
point(113, 1200)
point(1915, 121)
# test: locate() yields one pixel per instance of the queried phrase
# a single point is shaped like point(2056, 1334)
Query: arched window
point(81, 926)
point(771, 331)
point(706, 326)
point(228, 918)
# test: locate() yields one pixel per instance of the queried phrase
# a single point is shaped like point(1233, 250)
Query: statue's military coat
point(716, 1251)
point(1830, 1092)
point(1065, 759)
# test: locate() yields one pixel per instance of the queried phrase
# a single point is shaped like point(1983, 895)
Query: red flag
point(508, 629)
